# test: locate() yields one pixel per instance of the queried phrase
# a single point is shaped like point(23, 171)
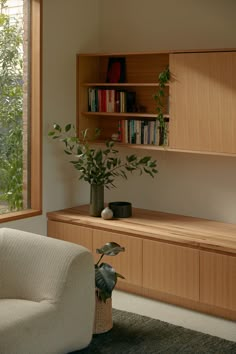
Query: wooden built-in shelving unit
point(200, 99)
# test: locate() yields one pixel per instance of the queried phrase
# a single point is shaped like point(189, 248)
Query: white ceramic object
point(107, 214)
point(115, 137)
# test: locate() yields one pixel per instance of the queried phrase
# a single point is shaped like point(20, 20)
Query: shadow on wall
point(188, 184)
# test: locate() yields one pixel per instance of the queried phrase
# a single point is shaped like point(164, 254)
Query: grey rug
point(132, 333)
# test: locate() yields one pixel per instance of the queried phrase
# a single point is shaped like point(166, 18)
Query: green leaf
point(120, 276)
point(110, 249)
point(67, 152)
point(131, 158)
point(145, 160)
point(105, 278)
point(130, 169)
point(99, 166)
point(98, 156)
point(57, 127)
point(148, 171)
point(67, 128)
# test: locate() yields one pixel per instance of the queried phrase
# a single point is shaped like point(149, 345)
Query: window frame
point(35, 121)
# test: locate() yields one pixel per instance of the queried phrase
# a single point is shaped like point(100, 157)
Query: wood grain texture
point(201, 96)
point(154, 225)
point(71, 233)
point(218, 280)
point(203, 102)
point(36, 107)
point(162, 254)
point(128, 263)
point(171, 269)
point(142, 70)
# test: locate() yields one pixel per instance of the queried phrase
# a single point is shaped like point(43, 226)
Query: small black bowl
point(121, 209)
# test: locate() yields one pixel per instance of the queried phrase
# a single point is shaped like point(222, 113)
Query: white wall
point(129, 25)
point(188, 184)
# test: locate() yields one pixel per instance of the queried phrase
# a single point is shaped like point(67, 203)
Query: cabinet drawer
point(171, 269)
point(72, 233)
point(218, 280)
point(128, 263)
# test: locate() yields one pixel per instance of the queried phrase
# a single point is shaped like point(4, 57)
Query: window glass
point(14, 106)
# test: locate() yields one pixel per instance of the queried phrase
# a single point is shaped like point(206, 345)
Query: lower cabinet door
point(72, 233)
point(171, 269)
point(218, 280)
point(128, 263)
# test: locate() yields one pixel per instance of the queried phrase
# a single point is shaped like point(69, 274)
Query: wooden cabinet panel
point(128, 263)
point(186, 261)
point(203, 102)
point(171, 269)
point(218, 280)
point(72, 233)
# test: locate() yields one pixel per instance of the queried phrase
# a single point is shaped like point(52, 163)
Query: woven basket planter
point(103, 316)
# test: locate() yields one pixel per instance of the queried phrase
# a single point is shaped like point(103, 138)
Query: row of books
point(141, 132)
point(110, 100)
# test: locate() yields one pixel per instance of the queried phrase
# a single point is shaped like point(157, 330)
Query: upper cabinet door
point(203, 102)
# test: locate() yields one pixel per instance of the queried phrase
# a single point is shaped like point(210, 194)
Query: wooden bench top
point(155, 225)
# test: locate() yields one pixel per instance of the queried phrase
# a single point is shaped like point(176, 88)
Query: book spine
point(145, 133)
point(120, 133)
point(99, 100)
point(117, 101)
point(93, 100)
point(152, 123)
point(138, 132)
point(89, 99)
point(126, 130)
point(103, 100)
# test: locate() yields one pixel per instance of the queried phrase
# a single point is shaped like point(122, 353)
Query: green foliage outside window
point(11, 111)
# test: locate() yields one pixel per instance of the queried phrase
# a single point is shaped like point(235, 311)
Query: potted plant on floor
point(105, 281)
point(99, 166)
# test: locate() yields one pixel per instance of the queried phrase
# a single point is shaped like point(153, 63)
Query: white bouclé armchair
point(47, 295)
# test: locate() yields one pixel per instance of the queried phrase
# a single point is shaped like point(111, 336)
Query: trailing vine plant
point(163, 79)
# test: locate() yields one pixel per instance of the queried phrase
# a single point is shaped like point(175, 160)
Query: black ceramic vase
point(96, 199)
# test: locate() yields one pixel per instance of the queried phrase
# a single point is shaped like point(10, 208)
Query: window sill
point(19, 215)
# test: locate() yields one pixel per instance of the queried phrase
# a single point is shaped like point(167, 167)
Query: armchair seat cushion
point(26, 325)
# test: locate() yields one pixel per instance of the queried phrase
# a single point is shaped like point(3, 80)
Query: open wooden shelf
point(124, 84)
point(125, 114)
point(199, 99)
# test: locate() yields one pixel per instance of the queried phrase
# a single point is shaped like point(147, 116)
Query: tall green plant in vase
point(99, 166)
point(160, 98)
